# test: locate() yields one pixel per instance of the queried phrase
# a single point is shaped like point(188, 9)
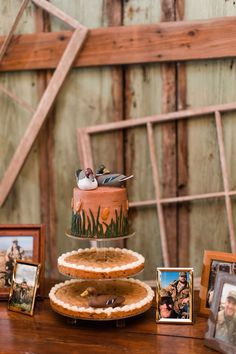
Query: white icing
point(62, 260)
point(109, 310)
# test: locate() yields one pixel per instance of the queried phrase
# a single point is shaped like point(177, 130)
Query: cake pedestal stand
point(74, 322)
point(65, 297)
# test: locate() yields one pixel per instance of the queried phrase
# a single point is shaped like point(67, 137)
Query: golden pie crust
point(100, 263)
point(65, 298)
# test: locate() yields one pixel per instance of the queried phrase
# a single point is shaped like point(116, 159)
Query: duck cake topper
point(106, 178)
point(85, 179)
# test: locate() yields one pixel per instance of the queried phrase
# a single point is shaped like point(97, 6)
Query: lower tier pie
point(100, 263)
point(65, 298)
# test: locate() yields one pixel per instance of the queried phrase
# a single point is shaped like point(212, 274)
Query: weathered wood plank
point(182, 175)
point(169, 156)
point(46, 162)
point(143, 97)
point(182, 156)
point(127, 45)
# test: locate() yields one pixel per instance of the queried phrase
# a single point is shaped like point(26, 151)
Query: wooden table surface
point(48, 332)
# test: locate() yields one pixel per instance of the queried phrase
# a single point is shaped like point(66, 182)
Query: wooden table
point(48, 332)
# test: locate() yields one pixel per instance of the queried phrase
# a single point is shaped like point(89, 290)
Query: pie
point(65, 298)
point(100, 263)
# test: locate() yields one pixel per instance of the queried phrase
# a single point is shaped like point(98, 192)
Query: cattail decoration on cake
point(105, 214)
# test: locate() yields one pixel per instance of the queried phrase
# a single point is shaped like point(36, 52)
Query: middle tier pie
point(100, 263)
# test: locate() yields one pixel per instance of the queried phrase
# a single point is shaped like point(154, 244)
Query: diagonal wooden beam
point(17, 99)
point(8, 38)
point(45, 104)
point(53, 10)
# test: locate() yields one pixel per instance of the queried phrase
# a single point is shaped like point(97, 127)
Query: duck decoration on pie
point(85, 179)
point(102, 300)
point(106, 178)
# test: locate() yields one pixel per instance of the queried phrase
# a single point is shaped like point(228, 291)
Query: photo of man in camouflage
point(180, 291)
point(226, 320)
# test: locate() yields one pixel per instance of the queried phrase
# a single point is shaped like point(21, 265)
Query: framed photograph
point(19, 242)
point(221, 334)
point(174, 295)
point(213, 262)
point(24, 286)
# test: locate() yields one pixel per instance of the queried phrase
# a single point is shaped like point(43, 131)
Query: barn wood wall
point(209, 82)
point(98, 95)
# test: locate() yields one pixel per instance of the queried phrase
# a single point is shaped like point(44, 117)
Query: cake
point(100, 263)
point(65, 298)
point(100, 213)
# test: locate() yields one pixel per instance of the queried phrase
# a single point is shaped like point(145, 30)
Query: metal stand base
point(120, 323)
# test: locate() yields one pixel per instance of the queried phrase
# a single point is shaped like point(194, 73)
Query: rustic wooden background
point(187, 152)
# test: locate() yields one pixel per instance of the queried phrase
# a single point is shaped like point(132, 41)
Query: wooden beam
point(156, 180)
point(41, 113)
point(17, 99)
point(53, 10)
point(84, 149)
point(48, 210)
point(166, 41)
point(229, 211)
point(159, 118)
point(8, 38)
point(182, 217)
point(182, 199)
point(168, 134)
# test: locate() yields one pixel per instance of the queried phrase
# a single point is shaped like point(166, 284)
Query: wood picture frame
point(174, 295)
point(24, 286)
point(219, 336)
point(84, 145)
point(213, 262)
point(30, 248)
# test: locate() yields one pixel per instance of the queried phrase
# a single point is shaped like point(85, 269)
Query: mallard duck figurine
point(102, 300)
point(106, 178)
point(85, 179)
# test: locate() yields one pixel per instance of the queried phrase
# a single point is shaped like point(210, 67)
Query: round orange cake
point(65, 298)
point(100, 263)
point(100, 213)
